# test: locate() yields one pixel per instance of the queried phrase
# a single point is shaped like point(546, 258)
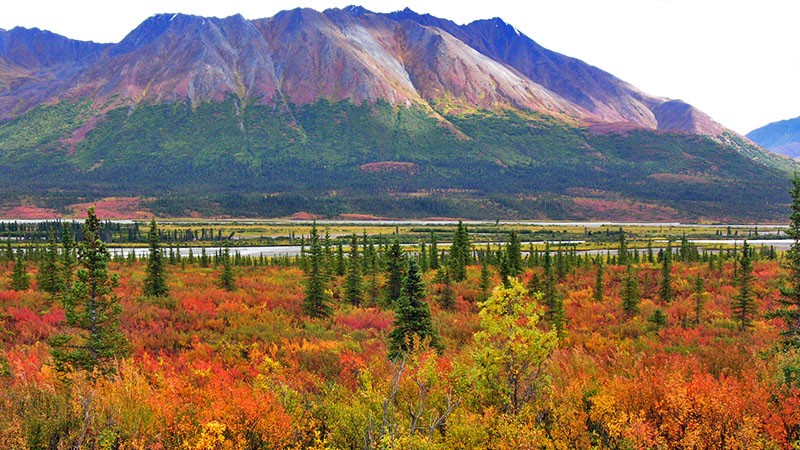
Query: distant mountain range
point(780, 137)
point(349, 111)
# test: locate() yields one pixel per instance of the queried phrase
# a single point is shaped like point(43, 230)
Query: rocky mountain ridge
point(302, 55)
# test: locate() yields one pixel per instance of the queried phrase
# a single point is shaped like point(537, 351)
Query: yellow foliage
point(11, 436)
point(215, 436)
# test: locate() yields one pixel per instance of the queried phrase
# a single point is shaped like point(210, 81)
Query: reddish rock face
point(302, 56)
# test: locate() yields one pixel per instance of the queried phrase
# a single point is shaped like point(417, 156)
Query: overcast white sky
point(737, 60)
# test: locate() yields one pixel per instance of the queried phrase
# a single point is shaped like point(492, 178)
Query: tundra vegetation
point(504, 343)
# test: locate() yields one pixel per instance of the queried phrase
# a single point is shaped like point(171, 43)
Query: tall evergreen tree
point(561, 264)
point(226, 279)
point(8, 254)
point(328, 261)
point(365, 257)
point(599, 286)
point(658, 319)
point(20, 280)
point(447, 297)
point(68, 259)
point(155, 282)
point(374, 287)
point(504, 268)
point(340, 260)
point(352, 283)
point(460, 252)
point(622, 252)
point(91, 311)
point(630, 292)
point(665, 287)
point(554, 304)
point(48, 279)
point(791, 291)
point(395, 268)
point(317, 301)
point(204, 259)
point(423, 258)
point(412, 317)
point(744, 304)
point(433, 260)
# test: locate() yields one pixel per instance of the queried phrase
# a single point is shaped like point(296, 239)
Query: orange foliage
point(245, 369)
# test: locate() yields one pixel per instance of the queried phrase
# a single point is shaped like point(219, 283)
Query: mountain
point(780, 137)
point(36, 65)
point(350, 111)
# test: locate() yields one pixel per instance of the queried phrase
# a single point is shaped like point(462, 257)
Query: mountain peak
point(33, 48)
point(153, 27)
point(495, 23)
point(356, 10)
point(407, 14)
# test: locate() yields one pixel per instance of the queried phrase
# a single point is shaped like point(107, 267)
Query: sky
point(736, 60)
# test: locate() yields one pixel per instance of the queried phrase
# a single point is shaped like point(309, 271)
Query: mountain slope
point(37, 65)
point(350, 111)
point(608, 98)
point(178, 57)
point(780, 137)
point(301, 56)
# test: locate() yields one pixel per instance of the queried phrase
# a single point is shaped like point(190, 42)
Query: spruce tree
point(514, 254)
point(459, 254)
point(504, 267)
point(535, 284)
point(598, 282)
point(8, 254)
point(423, 258)
point(365, 257)
point(658, 319)
point(395, 267)
point(226, 279)
point(374, 286)
point(412, 321)
point(433, 260)
point(447, 297)
point(327, 248)
point(791, 291)
point(561, 265)
point(630, 292)
point(317, 301)
point(20, 280)
point(552, 300)
point(91, 310)
point(68, 259)
point(665, 287)
point(339, 260)
point(622, 252)
point(744, 304)
point(48, 279)
point(352, 293)
point(204, 260)
point(155, 283)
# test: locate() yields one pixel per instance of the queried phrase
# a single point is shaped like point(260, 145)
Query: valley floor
point(216, 369)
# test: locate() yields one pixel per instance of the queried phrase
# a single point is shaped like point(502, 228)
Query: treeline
point(116, 232)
